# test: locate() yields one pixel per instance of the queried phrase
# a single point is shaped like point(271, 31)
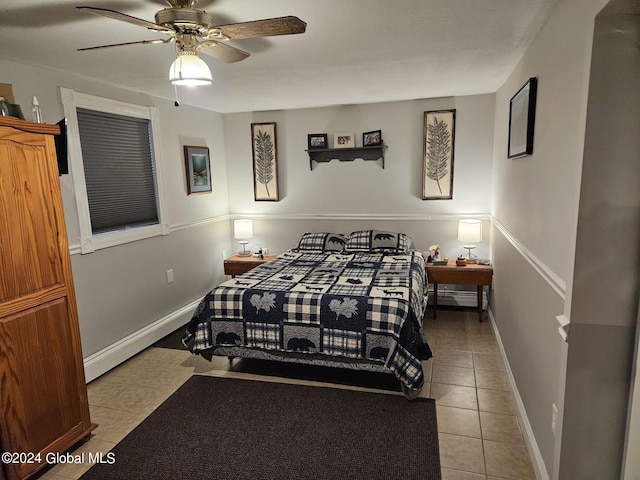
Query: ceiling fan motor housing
point(185, 20)
point(182, 3)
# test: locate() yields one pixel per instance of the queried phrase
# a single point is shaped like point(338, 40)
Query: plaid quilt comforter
point(359, 305)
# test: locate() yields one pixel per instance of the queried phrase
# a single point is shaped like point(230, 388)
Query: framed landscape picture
point(439, 143)
point(198, 169)
point(265, 162)
point(522, 118)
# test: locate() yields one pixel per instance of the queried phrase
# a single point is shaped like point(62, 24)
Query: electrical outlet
point(554, 415)
point(170, 275)
point(224, 254)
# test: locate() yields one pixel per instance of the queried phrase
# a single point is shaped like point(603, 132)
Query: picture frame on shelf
point(522, 118)
point(439, 146)
point(317, 141)
point(197, 169)
point(265, 162)
point(372, 138)
point(344, 140)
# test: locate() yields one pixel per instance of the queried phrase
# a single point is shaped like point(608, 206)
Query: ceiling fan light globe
point(191, 82)
point(190, 70)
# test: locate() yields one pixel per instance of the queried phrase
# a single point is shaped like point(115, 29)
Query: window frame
point(90, 242)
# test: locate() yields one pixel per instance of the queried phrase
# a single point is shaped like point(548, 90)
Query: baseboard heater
point(457, 298)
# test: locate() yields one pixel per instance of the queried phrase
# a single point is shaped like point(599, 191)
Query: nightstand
point(470, 274)
point(238, 264)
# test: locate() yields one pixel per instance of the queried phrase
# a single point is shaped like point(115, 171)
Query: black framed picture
point(522, 118)
point(370, 139)
point(317, 140)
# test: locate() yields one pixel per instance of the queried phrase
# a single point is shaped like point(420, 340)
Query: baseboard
point(539, 466)
point(116, 353)
point(458, 298)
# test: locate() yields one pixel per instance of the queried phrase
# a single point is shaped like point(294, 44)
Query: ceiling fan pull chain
point(177, 102)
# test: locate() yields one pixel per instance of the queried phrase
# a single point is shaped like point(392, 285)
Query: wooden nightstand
point(470, 274)
point(237, 264)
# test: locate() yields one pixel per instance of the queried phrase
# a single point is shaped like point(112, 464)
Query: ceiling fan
point(195, 31)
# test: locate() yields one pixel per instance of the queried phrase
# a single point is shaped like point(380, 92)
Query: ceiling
point(352, 51)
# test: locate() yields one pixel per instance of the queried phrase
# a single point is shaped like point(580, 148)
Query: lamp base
point(244, 252)
point(471, 258)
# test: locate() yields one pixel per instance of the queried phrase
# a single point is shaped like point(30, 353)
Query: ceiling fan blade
point(226, 53)
point(123, 17)
point(142, 42)
point(263, 28)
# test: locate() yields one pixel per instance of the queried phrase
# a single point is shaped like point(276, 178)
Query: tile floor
point(480, 438)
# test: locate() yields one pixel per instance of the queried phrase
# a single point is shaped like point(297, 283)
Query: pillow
point(322, 241)
point(378, 241)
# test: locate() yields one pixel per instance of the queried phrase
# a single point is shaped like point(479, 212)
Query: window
point(116, 171)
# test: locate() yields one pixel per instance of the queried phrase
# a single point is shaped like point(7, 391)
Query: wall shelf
point(319, 155)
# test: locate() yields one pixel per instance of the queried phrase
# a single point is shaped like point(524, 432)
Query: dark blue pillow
point(378, 241)
point(321, 242)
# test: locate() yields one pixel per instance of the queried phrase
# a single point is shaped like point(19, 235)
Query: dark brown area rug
point(223, 428)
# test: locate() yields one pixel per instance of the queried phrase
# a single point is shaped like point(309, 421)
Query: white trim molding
point(557, 283)
point(391, 217)
point(116, 353)
point(537, 461)
point(563, 329)
point(206, 221)
point(76, 249)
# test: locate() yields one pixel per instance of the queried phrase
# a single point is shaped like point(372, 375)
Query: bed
point(349, 302)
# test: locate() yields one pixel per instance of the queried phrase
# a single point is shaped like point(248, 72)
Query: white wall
point(536, 197)
point(123, 289)
point(535, 206)
point(349, 195)
point(604, 307)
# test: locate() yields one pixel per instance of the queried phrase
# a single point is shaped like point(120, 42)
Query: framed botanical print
point(198, 169)
point(265, 162)
point(439, 145)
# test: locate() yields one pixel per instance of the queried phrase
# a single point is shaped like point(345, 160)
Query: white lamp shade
point(470, 230)
point(243, 229)
point(189, 69)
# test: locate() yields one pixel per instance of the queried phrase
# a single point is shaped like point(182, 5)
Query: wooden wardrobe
point(43, 394)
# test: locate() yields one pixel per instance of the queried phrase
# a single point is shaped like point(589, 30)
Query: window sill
point(112, 239)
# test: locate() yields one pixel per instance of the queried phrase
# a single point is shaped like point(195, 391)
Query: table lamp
point(470, 230)
point(243, 231)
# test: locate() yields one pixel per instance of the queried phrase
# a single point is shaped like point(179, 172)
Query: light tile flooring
point(480, 438)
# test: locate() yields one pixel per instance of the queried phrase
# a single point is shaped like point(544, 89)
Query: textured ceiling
point(356, 51)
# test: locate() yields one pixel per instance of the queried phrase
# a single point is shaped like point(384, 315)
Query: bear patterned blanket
point(358, 305)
